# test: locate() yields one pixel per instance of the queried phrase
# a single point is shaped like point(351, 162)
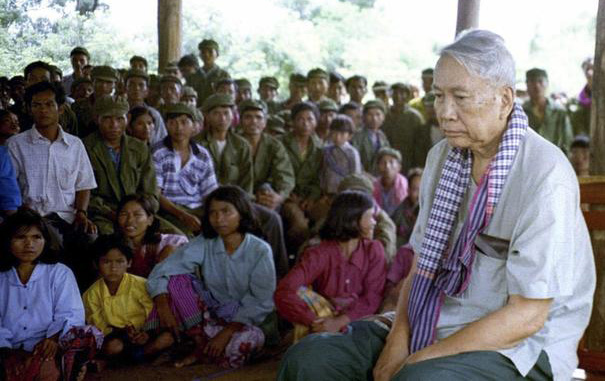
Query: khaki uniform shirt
point(554, 127)
point(234, 165)
point(272, 165)
point(306, 169)
point(367, 148)
point(406, 133)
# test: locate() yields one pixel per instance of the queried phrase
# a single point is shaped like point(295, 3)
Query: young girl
point(406, 213)
point(117, 303)
point(391, 187)
point(140, 124)
point(40, 306)
point(233, 273)
point(138, 226)
point(346, 271)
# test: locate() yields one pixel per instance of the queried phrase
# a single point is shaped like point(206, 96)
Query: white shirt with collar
point(50, 173)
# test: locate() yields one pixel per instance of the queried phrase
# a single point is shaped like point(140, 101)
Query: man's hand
point(46, 348)
point(269, 198)
point(191, 221)
point(330, 324)
point(83, 224)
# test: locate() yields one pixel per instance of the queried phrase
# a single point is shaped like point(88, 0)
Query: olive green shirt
point(135, 173)
point(406, 133)
point(555, 127)
point(272, 165)
point(306, 169)
point(234, 165)
point(202, 82)
point(364, 141)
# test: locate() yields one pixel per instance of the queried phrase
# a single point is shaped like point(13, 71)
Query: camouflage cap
point(388, 151)
point(208, 44)
point(108, 106)
point(217, 100)
point(319, 73)
point(269, 81)
point(177, 109)
point(298, 79)
point(252, 104)
point(380, 86)
point(328, 105)
point(171, 78)
point(135, 73)
point(243, 84)
point(374, 103)
point(356, 181)
point(104, 73)
point(80, 50)
point(535, 73)
point(189, 91)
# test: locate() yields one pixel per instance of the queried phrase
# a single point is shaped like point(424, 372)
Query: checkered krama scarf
point(439, 274)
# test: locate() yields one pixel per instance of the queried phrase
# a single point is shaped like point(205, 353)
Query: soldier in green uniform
point(298, 90)
point(273, 172)
point(104, 80)
point(548, 118)
point(337, 89)
point(188, 65)
point(304, 150)
point(371, 139)
point(139, 63)
point(317, 85)
point(381, 91)
point(327, 111)
point(210, 72)
point(354, 111)
point(427, 86)
point(404, 128)
point(122, 165)
point(189, 98)
point(357, 87)
point(267, 90)
point(230, 152)
point(244, 90)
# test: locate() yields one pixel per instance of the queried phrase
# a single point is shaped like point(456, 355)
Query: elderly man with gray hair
point(503, 278)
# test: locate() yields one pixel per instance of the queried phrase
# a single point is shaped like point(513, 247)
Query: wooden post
point(169, 32)
point(597, 114)
point(468, 15)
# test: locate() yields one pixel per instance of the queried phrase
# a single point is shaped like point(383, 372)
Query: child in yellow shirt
point(118, 303)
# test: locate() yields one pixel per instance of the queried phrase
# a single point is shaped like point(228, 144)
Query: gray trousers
point(351, 356)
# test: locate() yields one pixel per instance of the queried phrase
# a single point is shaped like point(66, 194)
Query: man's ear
point(507, 96)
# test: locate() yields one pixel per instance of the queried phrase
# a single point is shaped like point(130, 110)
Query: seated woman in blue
point(39, 301)
point(233, 275)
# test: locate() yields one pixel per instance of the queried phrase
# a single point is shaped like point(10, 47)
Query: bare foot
point(82, 373)
point(191, 359)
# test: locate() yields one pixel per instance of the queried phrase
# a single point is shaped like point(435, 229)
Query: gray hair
point(484, 54)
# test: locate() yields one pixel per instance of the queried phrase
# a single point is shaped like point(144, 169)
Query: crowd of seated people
point(179, 208)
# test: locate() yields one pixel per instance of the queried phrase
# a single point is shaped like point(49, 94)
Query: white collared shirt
point(50, 173)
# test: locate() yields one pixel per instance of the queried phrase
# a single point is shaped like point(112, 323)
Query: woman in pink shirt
point(341, 279)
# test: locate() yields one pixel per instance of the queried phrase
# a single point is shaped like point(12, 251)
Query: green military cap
point(188, 60)
point(138, 59)
point(375, 103)
point(208, 44)
point(79, 50)
point(104, 73)
point(243, 83)
point(428, 72)
point(358, 182)
point(177, 109)
point(388, 151)
point(400, 85)
point(269, 81)
point(535, 73)
point(217, 100)
point(252, 104)
point(276, 125)
point(171, 78)
point(189, 91)
point(134, 73)
point(380, 85)
point(328, 105)
point(298, 79)
point(108, 106)
point(318, 72)
point(78, 81)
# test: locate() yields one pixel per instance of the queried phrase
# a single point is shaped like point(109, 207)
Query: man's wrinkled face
point(472, 112)
point(170, 92)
